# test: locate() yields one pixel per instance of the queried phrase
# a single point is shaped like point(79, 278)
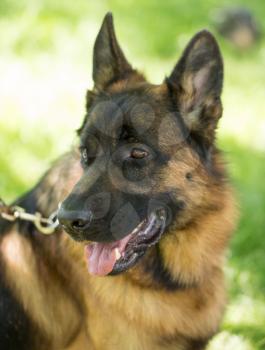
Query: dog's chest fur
point(122, 314)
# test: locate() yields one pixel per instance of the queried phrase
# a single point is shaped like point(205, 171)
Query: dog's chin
point(116, 257)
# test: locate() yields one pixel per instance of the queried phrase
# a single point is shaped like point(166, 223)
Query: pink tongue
point(101, 257)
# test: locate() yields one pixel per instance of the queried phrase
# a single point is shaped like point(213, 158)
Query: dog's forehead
point(135, 109)
point(146, 112)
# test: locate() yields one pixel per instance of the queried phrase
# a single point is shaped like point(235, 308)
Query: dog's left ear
point(109, 62)
point(196, 84)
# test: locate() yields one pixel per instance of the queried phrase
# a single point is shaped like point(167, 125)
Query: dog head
point(147, 152)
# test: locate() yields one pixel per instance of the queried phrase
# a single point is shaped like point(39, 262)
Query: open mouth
point(115, 257)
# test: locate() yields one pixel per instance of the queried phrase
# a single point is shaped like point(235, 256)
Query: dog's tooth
point(117, 254)
point(136, 229)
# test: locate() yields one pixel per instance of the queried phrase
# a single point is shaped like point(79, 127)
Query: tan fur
point(36, 287)
point(121, 85)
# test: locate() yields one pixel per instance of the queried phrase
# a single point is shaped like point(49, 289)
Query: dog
point(146, 216)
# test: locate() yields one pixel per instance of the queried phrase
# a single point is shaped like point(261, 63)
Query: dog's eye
point(138, 153)
point(84, 155)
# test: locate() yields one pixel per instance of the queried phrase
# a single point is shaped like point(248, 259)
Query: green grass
point(246, 314)
point(45, 67)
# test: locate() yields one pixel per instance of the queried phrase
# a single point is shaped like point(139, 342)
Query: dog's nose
point(74, 220)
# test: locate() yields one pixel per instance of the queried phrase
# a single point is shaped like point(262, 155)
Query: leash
point(46, 226)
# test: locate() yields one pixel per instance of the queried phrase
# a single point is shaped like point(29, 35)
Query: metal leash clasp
point(46, 226)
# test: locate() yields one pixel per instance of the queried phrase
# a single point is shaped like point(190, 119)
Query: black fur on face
point(122, 158)
point(134, 129)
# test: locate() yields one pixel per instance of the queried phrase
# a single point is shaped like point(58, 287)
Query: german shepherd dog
point(148, 210)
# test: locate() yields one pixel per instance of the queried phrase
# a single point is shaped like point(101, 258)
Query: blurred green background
point(45, 68)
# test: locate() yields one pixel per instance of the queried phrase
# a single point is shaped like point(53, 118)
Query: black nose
point(74, 221)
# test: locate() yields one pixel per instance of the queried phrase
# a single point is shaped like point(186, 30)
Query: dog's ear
point(196, 84)
point(109, 62)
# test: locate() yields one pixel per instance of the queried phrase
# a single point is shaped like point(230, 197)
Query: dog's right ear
point(109, 62)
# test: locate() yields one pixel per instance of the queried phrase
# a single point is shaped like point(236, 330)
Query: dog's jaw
point(116, 257)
